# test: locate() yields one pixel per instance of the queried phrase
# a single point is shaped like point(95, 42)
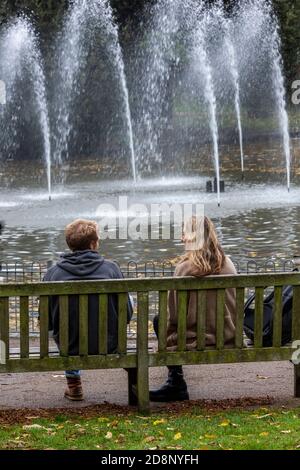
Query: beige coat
point(186, 268)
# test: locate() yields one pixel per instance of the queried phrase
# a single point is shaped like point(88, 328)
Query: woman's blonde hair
point(203, 248)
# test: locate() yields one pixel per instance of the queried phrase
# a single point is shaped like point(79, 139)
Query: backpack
point(287, 309)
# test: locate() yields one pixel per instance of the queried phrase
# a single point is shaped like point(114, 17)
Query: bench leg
point(132, 387)
point(143, 390)
point(297, 381)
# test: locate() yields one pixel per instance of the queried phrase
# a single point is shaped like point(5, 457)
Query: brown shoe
point(74, 390)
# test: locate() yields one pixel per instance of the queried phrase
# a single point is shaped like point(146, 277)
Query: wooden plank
point(220, 319)
point(297, 381)
point(296, 313)
point(201, 319)
point(64, 325)
point(4, 325)
point(239, 325)
point(259, 317)
point(163, 321)
point(142, 353)
point(182, 319)
point(44, 326)
point(103, 323)
point(24, 327)
point(70, 363)
point(277, 318)
point(148, 285)
point(83, 325)
point(226, 356)
point(122, 322)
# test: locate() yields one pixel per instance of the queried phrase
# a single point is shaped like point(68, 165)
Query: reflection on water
point(259, 234)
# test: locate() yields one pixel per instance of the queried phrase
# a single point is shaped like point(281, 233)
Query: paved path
point(218, 382)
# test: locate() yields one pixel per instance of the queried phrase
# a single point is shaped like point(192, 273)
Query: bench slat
point(24, 327)
point(259, 317)
point(44, 326)
point(103, 324)
point(201, 319)
point(220, 318)
point(146, 285)
point(296, 313)
point(277, 318)
point(163, 321)
point(83, 325)
point(142, 352)
point(182, 320)
point(64, 325)
point(122, 322)
point(239, 326)
point(4, 324)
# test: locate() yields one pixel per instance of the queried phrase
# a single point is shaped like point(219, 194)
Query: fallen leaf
point(159, 421)
point(263, 416)
point(33, 426)
point(108, 435)
point(149, 439)
point(224, 423)
point(177, 436)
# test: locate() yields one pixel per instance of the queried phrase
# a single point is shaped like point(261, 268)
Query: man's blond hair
point(80, 234)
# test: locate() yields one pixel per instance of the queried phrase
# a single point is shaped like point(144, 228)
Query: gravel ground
point(206, 382)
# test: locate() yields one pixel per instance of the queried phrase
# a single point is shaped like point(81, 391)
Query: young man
point(84, 263)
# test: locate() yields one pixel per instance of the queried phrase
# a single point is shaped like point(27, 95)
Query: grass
point(191, 429)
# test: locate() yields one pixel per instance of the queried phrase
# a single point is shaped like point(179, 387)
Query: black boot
point(175, 389)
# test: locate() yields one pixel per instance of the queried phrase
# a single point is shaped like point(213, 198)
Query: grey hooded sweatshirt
point(85, 265)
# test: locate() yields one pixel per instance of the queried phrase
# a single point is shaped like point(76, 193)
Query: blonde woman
point(203, 256)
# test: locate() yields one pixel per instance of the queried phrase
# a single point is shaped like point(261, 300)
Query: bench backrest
point(142, 288)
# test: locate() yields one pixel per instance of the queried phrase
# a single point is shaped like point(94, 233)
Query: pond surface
point(257, 220)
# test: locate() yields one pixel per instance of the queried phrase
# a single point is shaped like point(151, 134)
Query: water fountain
point(202, 64)
point(154, 60)
point(81, 25)
point(215, 62)
point(259, 31)
point(204, 88)
point(236, 82)
point(21, 61)
point(281, 99)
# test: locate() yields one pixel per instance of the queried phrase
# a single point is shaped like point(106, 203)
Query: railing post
point(142, 353)
point(4, 325)
point(297, 381)
point(296, 335)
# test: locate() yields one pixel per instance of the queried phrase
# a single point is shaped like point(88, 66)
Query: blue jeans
point(72, 374)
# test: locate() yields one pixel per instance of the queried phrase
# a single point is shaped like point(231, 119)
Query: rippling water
point(255, 221)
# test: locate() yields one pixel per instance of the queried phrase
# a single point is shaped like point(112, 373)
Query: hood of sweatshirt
point(81, 263)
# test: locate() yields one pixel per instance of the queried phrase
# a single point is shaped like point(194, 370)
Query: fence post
point(296, 335)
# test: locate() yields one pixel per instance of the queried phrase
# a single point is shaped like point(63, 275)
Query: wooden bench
point(137, 361)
